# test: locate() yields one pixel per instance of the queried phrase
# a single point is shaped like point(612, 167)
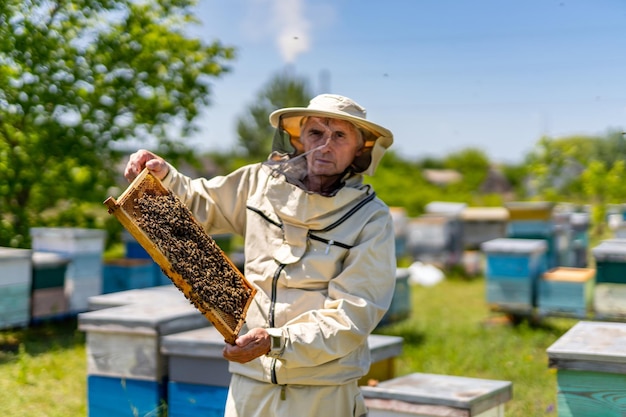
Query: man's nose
point(326, 145)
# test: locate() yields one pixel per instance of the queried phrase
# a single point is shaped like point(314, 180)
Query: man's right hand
point(145, 159)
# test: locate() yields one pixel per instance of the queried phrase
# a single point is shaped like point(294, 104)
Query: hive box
point(400, 307)
point(610, 259)
point(199, 377)
point(127, 274)
point(481, 224)
point(530, 210)
point(590, 360)
point(84, 248)
point(48, 299)
point(609, 301)
point(430, 238)
point(133, 250)
point(512, 271)
point(400, 220)
point(125, 368)
point(566, 290)
point(15, 284)
point(431, 395)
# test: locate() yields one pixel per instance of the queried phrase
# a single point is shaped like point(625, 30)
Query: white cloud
point(293, 37)
point(285, 22)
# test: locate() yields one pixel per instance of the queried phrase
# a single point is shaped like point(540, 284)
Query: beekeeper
point(319, 248)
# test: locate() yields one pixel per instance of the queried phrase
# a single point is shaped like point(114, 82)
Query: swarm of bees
point(192, 253)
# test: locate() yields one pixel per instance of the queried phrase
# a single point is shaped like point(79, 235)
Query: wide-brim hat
point(376, 137)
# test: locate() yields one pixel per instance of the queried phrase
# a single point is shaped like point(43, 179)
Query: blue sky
point(442, 75)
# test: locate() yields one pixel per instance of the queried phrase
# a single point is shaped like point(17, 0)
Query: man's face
point(338, 141)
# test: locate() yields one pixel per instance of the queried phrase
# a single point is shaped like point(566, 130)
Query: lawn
point(450, 331)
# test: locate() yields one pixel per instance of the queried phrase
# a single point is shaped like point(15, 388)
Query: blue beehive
point(199, 377)
point(134, 250)
point(566, 291)
point(127, 274)
point(400, 307)
point(512, 271)
point(127, 374)
point(15, 284)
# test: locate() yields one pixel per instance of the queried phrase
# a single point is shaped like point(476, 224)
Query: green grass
point(451, 331)
point(43, 371)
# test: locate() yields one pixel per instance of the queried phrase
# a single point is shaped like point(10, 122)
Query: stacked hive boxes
point(513, 268)
point(15, 287)
point(481, 224)
point(84, 248)
point(452, 211)
point(48, 300)
point(199, 377)
point(609, 299)
point(534, 220)
point(198, 373)
point(126, 372)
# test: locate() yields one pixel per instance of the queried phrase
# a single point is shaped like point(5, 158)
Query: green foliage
point(254, 131)
point(72, 86)
point(473, 164)
point(400, 182)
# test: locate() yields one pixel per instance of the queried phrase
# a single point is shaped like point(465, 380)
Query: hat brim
point(292, 117)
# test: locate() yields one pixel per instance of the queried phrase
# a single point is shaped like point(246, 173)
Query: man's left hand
point(250, 346)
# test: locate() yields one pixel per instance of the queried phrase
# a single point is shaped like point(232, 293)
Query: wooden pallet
point(123, 209)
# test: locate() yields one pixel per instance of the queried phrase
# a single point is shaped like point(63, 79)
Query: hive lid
point(12, 253)
point(49, 259)
point(569, 274)
point(588, 344)
point(205, 342)
point(212, 285)
point(610, 250)
point(149, 319)
point(513, 245)
point(499, 214)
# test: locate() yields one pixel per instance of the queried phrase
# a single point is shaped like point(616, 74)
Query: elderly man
point(319, 248)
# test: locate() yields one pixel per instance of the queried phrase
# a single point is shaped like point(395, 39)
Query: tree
point(77, 77)
point(255, 134)
point(473, 164)
point(555, 165)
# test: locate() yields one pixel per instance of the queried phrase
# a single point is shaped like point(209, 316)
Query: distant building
point(442, 176)
point(496, 183)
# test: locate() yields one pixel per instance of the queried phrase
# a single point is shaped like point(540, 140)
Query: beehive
point(180, 250)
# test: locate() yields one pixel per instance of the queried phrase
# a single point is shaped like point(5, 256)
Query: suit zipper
point(271, 316)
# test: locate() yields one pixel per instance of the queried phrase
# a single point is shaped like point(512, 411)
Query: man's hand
point(250, 346)
point(145, 159)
